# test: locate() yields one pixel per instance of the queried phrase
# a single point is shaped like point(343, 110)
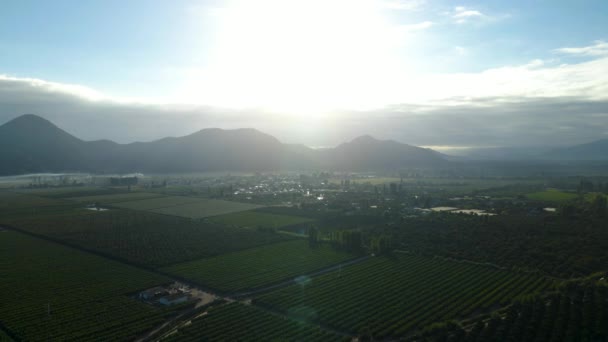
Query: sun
point(299, 56)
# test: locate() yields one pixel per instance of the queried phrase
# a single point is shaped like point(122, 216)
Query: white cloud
point(416, 27)
point(599, 48)
point(404, 5)
point(462, 14)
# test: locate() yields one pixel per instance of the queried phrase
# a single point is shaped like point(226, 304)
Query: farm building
point(174, 299)
point(153, 292)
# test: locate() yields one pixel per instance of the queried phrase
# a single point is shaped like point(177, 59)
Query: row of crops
point(144, 238)
point(577, 313)
point(393, 296)
point(259, 266)
point(51, 292)
point(238, 322)
point(260, 219)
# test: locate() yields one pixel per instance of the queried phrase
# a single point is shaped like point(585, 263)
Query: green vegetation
point(260, 219)
point(552, 195)
point(577, 312)
point(10, 201)
point(392, 296)
point(238, 322)
point(51, 292)
point(259, 266)
point(144, 238)
point(545, 242)
point(189, 207)
point(114, 198)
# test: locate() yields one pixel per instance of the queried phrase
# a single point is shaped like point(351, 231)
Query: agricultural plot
point(115, 198)
point(391, 297)
point(55, 293)
point(157, 203)
point(144, 238)
point(205, 208)
point(10, 201)
point(238, 322)
point(260, 219)
point(256, 267)
point(552, 195)
point(70, 191)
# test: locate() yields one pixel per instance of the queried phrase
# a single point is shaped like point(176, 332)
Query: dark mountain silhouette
point(30, 143)
point(596, 150)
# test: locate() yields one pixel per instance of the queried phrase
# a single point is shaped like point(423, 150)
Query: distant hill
point(30, 143)
point(596, 150)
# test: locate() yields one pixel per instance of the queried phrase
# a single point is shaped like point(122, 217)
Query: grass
point(156, 203)
point(260, 266)
point(552, 195)
point(259, 219)
point(10, 201)
point(52, 292)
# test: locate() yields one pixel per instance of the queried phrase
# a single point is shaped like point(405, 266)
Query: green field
point(259, 219)
point(51, 292)
point(205, 208)
point(256, 267)
point(157, 202)
point(393, 296)
point(552, 195)
point(141, 237)
point(238, 322)
point(114, 198)
point(10, 201)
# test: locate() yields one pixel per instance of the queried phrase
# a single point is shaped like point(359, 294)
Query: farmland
point(51, 292)
point(189, 207)
point(259, 266)
point(144, 238)
point(220, 323)
point(552, 195)
point(259, 219)
point(400, 294)
point(114, 198)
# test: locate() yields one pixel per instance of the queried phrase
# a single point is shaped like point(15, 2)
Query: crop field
point(156, 203)
point(115, 198)
point(70, 191)
point(144, 238)
point(393, 296)
point(11, 201)
point(552, 195)
point(238, 322)
point(52, 292)
point(259, 266)
point(260, 219)
point(205, 208)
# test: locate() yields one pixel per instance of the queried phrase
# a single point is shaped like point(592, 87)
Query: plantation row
point(259, 266)
point(391, 297)
point(259, 219)
point(576, 313)
point(144, 238)
point(238, 322)
point(51, 292)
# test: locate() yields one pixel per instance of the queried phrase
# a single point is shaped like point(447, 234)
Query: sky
point(447, 74)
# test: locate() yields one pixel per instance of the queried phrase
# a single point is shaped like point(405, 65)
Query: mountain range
point(30, 143)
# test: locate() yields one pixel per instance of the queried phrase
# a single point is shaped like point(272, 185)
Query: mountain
point(30, 143)
point(596, 150)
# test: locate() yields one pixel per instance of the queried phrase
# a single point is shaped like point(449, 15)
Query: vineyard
point(260, 266)
point(393, 296)
point(51, 292)
point(577, 312)
point(144, 238)
point(238, 322)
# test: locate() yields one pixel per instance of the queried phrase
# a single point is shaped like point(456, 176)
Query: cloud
point(539, 102)
point(415, 27)
point(402, 5)
point(599, 48)
point(462, 14)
